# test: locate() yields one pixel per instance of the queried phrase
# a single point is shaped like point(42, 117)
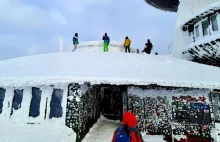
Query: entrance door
point(111, 103)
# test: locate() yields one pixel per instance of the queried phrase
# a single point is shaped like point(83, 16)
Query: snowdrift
point(35, 133)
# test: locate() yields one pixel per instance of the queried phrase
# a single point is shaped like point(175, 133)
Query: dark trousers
point(127, 48)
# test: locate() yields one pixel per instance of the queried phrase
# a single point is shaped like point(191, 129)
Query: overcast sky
point(34, 26)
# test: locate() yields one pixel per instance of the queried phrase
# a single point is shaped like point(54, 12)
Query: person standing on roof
point(75, 41)
point(106, 40)
point(128, 131)
point(127, 44)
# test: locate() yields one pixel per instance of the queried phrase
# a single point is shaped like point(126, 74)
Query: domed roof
point(107, 68)
point(167, 5)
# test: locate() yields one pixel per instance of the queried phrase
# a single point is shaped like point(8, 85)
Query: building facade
point(71, 90)
point(197, 31)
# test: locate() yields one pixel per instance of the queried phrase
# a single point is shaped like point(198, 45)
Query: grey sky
point(32, 27)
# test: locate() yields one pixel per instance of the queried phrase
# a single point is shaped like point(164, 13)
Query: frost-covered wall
point(82, 108)
point(34, 114)
point(33, 105)
point(174, 113)
point(206, 52)
point(187, 10)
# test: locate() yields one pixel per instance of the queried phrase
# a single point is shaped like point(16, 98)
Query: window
point(192, 37)
point(197, 31)
point(2, 97)
point(17, 100)
point(56, 109)
point(205, 26)
point(214, 23)
point(35, 102)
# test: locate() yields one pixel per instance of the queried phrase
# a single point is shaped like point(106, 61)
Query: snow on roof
point(204, 12)
point(106, 68)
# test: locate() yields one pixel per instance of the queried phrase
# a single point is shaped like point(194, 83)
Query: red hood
point(129, 119)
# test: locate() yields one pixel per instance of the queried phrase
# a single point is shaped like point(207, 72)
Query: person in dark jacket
point(106, 40)
point(75, 41)
point(129, 121)
point(148, 47)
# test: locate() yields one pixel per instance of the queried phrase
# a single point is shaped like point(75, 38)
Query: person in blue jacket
point(106, 40)
point(75, 41)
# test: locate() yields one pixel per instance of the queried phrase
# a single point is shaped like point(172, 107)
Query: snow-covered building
point(197, 35)
point(64, 94)
point(197, 31)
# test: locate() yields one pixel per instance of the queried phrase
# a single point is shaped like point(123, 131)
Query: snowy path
point(103, 131)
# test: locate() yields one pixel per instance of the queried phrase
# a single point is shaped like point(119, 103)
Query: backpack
point(121, 135)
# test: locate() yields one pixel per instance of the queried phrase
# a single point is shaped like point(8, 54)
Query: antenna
point(61, 44)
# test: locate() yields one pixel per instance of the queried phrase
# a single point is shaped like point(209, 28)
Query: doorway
point(111, 103)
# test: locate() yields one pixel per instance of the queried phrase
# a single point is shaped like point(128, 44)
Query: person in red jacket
point(129, 126)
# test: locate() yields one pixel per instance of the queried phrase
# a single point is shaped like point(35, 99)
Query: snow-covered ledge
point(204, 41)
point(204, 51)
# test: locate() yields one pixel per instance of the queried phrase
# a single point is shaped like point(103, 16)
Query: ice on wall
point(208, 47)
point(18, 123)
point(20, 107)
point(166, 112)
point(82, 110)
point(164, 92)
